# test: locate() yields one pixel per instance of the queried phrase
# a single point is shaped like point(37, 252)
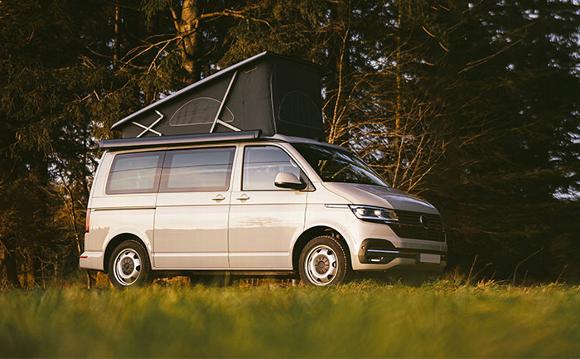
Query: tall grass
point(359, 319)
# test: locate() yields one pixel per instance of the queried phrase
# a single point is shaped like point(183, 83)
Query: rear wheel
point(129, 265)
point(323, 262)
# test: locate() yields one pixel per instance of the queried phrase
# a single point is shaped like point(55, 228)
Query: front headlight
point(374, 214)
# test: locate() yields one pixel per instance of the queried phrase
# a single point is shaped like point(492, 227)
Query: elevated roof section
point(267, 92)
point(193, 86)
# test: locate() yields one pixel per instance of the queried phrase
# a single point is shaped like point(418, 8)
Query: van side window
point(262, 164)
point(197, 170)
point(135, 173)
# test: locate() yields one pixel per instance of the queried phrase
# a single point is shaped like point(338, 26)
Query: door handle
point(219, 197)
point(243, 197)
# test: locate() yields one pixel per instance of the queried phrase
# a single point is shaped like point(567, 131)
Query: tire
point(323, 262)
point(129, 265)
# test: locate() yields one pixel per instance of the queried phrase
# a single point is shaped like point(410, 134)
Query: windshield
point(337, 165)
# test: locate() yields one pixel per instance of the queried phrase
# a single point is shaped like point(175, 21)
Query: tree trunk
point(91, 279)
point(11, 269)
point(190, 29)
point(338, 59)
point(116, 30)
point(398, 96)
point(36, 268)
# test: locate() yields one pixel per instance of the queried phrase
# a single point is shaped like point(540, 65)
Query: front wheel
point(129, 265)
point(323, 262)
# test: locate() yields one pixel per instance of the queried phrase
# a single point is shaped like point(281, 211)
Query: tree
point(511, 74)
point(472, 105)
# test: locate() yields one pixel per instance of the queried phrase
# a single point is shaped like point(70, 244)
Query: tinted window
point(198, 170)
point(337, 165)
point(262, 164)
point(134, 173)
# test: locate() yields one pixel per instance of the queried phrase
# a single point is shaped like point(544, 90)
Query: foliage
point(358, 320)
point(471, 105)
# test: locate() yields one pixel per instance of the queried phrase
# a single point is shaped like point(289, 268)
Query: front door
point(191, 215)
point(264, 218)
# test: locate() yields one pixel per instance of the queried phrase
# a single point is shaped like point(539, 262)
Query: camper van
point(204, 194)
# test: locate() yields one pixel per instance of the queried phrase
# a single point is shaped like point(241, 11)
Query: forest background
point(472, 105)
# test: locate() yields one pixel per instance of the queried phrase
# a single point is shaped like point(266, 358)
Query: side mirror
point(288, 180)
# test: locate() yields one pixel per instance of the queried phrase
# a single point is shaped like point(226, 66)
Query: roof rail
point(125, 143)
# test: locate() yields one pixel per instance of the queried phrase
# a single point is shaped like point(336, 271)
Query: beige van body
point(237, 227)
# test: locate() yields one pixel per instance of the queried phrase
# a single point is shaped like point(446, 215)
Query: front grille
point(417, 225)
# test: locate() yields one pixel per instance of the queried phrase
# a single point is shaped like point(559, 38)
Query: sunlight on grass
point(359, 319)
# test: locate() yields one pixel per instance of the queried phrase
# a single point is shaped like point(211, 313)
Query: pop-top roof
point(266, 92)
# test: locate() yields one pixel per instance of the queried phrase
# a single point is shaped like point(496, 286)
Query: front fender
point(339, 219)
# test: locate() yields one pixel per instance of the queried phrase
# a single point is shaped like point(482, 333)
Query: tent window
point(199, 111)
point(298, 108)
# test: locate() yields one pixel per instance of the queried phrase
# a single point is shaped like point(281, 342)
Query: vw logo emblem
point(423, 221)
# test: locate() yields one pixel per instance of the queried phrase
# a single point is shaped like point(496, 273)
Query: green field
point(365, 319)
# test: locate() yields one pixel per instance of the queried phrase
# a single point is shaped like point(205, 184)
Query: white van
point(246, 204)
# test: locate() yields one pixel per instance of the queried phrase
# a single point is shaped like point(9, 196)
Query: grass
point(365, 319)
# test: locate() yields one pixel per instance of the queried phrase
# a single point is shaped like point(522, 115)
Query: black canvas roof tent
point(266, 92)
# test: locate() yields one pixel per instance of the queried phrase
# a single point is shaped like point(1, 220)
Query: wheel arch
point(118, 239)
point(312, 233)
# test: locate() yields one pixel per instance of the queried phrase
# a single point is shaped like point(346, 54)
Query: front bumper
point(381, 254)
